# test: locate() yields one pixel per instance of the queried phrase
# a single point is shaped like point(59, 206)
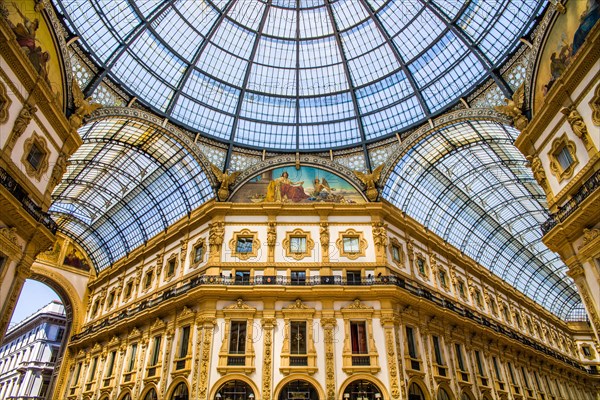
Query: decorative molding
point(298, 233)
point(588, 236)
point(193, 261)
point(578, 126)
point(595, 106)
point(5, 103)
point(42, 145)
point(557, 145)
point(397, 252)
point(329, 325)
point(362, 244)
point(21, 123)
point(247, 234)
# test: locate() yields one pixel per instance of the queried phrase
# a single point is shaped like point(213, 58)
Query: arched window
point(298, 390)
point(443, 395)
point(235, 390)
point(180, 392)
point(151, 395)
point(362, 390)
point(466, 396)
point(415, 392)
point(127, 396)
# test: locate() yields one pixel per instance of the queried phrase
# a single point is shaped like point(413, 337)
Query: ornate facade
point(373, 234)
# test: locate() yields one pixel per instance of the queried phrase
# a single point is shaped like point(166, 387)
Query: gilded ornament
point(380, 234)
point(83, 106)
point(59, 169)
point(514, 108)
point(23, 119)
point(589, 235)
point(324, 235)
point(271, 234)
point(226, 179)
point(215, 237)
point(371, 181)
point(595, 106)
point(577, 125)
point(5, 103)
point(538, 172)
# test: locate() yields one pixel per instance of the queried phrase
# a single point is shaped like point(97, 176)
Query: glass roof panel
point(127, 182)
point(196, 62)
point(466, 183)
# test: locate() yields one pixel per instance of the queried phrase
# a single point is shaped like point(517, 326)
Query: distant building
point(29, 352)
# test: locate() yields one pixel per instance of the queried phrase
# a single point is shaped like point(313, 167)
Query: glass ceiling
point(125, 184)
point(299, 74)
point(470, 185)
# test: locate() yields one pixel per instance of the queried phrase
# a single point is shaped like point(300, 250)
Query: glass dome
point(299, 75)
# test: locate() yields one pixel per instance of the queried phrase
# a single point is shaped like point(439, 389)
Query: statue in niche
point(514, 108)
point(370, 181)
point(226, 179)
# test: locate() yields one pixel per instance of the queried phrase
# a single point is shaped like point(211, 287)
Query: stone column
point(208, 326)
point(329, 325)
point(387, 322)
point(268, 324)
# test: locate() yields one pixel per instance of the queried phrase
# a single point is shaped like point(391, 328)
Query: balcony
point(22, 196)
point(572, 204)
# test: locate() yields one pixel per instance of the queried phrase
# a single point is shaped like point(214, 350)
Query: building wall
point(485, 315)
point(28, 353)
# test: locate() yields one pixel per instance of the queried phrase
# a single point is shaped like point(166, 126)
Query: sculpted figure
point(226, 179)
point(370, 181)
point(84, 107)
point(513, 108)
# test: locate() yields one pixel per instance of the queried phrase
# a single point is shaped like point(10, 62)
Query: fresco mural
point(567, 36)
point(305, 185)
point(74, 258)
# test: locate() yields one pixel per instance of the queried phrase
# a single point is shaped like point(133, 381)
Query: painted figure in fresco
point(283, 189)
point(588, 19)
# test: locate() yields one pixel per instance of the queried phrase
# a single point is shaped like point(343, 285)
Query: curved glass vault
point(470, 185)
point(299, 74)
point(125, 184)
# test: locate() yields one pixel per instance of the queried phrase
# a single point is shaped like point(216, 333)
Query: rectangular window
point(244, 244)
point(461, 288)
point(242, 277)
point(396, 253)
point(111, 364)
point(77, 373)
point(512, 374)
point(128, 289)
point(479, 363)
point(93, 369)
point(171, 267)
point(548, 386)
point(438, 351)
point(421, 266)
point(237, 337)
point(131, 364)
point(442, 276)
point(351, 244)
point(111, 299)
point(148, 280)
point(496, 368)
point(410, 338)
point(35, 156)
point(564, 158)
point(459, 357)
point(586, 351)
point(53, 354)
point(298, 244)
point(184, 342)
point(298, 337)
point(353, 277)
point(478, 299)
point(198, 253)
point(525, 380)
point(298, 277)
point(358, 337)
point(60, 334)
point(155, 350)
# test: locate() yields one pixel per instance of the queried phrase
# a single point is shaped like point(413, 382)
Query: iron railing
point(573, 203)
point(19, 193)
point(335, 280)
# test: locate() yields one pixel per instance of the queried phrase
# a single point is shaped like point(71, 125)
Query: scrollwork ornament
point(5, 103)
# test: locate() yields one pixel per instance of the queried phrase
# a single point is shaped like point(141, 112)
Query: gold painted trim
point(557, 145)
point(244, 233)
point(5, 103)
point(351, 233)
point(310, 244)
point(42, 144)
point(400, 262)
point(193, 262)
